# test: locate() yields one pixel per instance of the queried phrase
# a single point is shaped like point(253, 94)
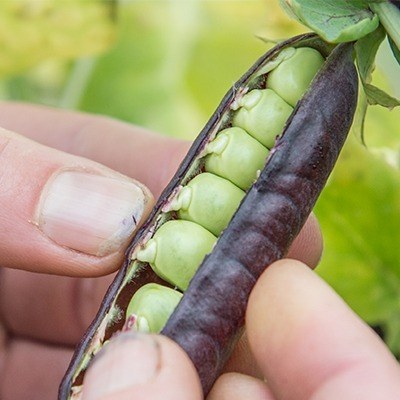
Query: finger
point(242, 360)
point(32, 371)
point(309, 344)
point(63, 214)
point(308, 245)
point(29, 301)
point(49, 308)
point(131, 150)
point(141, 367)
point(307, 248)
point(234, 386)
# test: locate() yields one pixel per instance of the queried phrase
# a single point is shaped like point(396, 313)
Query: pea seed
point(293, 76)
point(263, 115)
point(236, 156)
point(152, 305)
point(210, 201)
point(176, 251)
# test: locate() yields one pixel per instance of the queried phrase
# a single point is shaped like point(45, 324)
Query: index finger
point(310, 345)
point(134, 151)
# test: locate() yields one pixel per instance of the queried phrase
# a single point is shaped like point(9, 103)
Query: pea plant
point(364, 22)
point(245, 189)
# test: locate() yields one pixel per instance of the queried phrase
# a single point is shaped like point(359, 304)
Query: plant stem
point(389, 15)
point(77, 82)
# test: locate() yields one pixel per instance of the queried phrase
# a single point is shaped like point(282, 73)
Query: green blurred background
point(166, 64)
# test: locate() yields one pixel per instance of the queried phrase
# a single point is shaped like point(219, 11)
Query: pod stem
point(389, 15)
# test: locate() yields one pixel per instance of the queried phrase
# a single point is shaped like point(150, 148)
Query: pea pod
point(210, 315)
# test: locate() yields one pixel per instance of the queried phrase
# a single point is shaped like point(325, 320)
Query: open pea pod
point(236, 203)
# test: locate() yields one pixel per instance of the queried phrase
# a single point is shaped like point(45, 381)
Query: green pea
point(176, 251)
point(151, 306)
point(262, 114)
point(292, 77)
point(208, 200)
point(236, 156)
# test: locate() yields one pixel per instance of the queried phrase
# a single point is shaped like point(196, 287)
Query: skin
point(34, 352)
point(307, 343)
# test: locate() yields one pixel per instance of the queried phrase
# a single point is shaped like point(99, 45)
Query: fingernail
point(128, 360)
point(90, 213)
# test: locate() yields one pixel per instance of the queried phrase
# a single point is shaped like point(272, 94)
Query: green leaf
point(380, 125)
point(286, 6)
point(395, 49)
point(377, 96)
point(335, 21)
point(389, 16)
point(358, 126)
point(358, 212)
point(366, 49)
point(269, 41)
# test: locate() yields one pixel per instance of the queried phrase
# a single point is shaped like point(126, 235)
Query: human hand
point(42, 317)
point(307, 343)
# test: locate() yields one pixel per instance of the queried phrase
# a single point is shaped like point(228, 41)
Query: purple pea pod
point(273, 200)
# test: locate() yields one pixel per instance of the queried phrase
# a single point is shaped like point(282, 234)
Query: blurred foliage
point(358, 212)
point(168, 68)
point(155, 74)
point(34, 30)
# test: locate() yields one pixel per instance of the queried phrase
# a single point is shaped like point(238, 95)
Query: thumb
point(141, 367)
point(61, 213)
